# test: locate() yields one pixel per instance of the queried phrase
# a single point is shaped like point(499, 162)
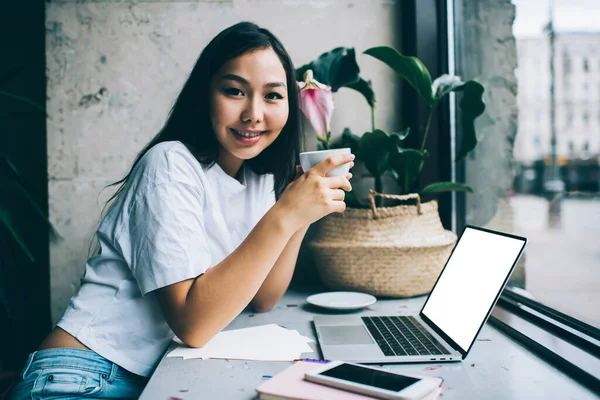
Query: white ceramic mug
point(309, 159)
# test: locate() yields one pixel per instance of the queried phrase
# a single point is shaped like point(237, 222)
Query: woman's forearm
point(215, 298)
point(280, 276)
point(199, 308)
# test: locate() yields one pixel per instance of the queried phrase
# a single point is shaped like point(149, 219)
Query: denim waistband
point(85, 360)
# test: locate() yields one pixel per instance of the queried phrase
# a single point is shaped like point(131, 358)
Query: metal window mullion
point(543, 321)
point(551, 313)
point(564, 365)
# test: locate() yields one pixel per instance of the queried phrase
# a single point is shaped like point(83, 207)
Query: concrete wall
point(486, 51)
point(114, 69)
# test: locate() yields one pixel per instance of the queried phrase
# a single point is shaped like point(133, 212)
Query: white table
point(496, 368)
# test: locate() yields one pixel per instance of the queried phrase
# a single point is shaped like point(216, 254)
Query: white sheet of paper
point(264, 343)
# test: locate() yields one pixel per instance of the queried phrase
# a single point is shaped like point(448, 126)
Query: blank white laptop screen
point(470, 283)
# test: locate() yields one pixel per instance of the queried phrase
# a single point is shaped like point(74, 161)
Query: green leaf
point(6, 220)
point(446, 187)
point(11, 166)
point(338, 68)
point(364, 88)
point(10, 74)
point(397, 138)
point(373, 150)
point(4, 300)
point(348, 139)
point(20, 188)
point(24, 100)
point(409, 68)
point(443, 85)
point(407, 164)
point(335, 68)
point(471, 106)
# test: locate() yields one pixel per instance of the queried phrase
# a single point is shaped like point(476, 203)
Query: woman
point(195, 233)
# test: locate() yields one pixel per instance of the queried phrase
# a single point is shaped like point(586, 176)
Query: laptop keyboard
point(401, 336)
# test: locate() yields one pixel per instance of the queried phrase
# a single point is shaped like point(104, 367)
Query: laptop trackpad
point(344, 335)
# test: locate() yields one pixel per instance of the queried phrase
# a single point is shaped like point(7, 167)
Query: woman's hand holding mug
point(316, 193)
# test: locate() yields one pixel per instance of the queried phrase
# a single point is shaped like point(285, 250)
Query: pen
point(312, 360)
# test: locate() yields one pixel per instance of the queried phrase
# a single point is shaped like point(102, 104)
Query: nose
point(253, 112)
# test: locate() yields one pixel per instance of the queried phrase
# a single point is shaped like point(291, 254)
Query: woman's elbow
point(261, 306)
point(261, 309)
point(195, 339)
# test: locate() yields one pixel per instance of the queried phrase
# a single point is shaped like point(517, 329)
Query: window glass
point(542, 180)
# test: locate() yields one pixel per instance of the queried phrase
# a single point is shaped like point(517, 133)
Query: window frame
point(427, 32)
point(569, 357)
point(424, 34)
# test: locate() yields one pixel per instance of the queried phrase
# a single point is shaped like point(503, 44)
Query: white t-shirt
point(173, 221)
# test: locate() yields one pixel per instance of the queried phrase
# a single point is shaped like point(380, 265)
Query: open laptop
point(460, 303)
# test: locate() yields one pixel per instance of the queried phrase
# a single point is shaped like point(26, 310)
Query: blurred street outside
point(562, 265)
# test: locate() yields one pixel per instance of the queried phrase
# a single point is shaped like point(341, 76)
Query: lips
point(247, 134)
point(246, 137)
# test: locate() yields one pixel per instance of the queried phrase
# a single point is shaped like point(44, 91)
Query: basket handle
point(373, 194)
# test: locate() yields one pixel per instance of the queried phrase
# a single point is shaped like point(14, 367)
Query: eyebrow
point(239, 79)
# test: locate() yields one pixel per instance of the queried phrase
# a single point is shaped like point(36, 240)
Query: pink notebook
point(290, 384)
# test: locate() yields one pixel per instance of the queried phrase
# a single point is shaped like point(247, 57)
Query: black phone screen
point(370, 377)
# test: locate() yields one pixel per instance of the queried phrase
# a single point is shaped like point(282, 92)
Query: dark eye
point(234, 92)
point(274, 96)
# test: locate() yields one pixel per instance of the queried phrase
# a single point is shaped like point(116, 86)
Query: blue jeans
point(73, 374)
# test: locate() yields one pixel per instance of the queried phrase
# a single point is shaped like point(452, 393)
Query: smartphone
point(372, 381)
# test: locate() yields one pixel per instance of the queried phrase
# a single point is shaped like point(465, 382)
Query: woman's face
point(249, 106)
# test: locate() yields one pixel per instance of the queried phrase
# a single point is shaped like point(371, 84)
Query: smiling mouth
point(245, 134)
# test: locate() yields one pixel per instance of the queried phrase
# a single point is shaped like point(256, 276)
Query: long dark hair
point(189, 119)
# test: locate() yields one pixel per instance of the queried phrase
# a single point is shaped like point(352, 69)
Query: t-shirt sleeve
point(165, 239)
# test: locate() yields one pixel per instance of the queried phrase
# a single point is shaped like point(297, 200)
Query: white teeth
point(247, 134)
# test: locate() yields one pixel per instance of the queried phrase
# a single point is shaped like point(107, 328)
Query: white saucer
point(341, 300)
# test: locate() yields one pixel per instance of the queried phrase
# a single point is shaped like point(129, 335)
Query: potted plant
point(396, 250)
point(17, 208)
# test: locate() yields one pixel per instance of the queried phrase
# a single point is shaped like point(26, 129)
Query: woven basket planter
point(386, 251)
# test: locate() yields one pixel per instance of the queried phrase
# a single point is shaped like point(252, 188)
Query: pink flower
point(316, 102)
